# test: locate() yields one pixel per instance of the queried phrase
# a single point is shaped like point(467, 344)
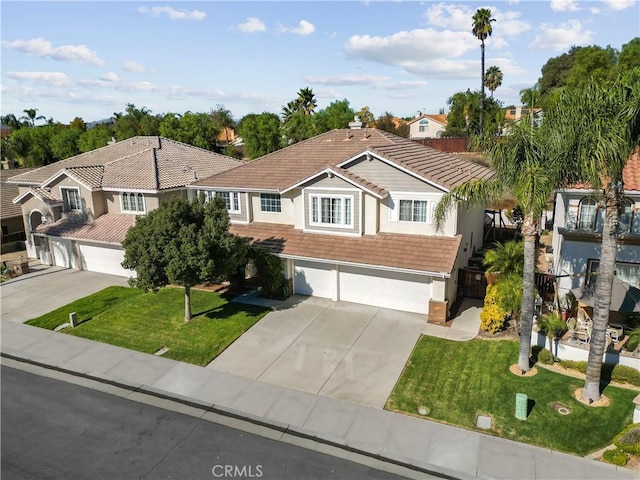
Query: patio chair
point(584, 335)
point(572, 328)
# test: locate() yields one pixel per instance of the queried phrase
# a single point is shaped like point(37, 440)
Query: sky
point(90, 59)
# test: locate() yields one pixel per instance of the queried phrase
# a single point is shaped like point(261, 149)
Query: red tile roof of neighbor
point(107, 228)
point(284, 168)
point(630, 175)
point(397, 251)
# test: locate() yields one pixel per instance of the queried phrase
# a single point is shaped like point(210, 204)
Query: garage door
point(315, 279)
point(398, 291)
point(103, 259)
point(62, 251)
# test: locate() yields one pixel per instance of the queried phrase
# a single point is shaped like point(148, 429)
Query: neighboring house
point(516, 113)
point(577, 235)
point(351, 214)
point(227, 136)
point(13, 233)
point(77, 211)
point(427, 126)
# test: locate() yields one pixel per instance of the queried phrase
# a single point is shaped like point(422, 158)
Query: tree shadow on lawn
point(229, 309)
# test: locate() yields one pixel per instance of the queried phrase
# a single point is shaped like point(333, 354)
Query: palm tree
point(598, 129)
point(526, 171)
point(482, 30)
point(530, 98)
point(222, 117)
point(288, 110)
point(30, 117)
point(493, 79)
point(555, 326)
point(306, 101)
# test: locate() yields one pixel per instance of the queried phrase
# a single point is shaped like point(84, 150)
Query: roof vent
point(357, 123)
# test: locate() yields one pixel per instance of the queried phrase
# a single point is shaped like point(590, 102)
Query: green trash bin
point(521, 406)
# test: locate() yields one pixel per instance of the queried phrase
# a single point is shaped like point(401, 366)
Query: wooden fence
point(474, 284)
point(446, 144)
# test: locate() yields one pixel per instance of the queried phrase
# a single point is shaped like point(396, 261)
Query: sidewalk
point(394, 442)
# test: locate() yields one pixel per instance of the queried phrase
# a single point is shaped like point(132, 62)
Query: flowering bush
point(492, 317)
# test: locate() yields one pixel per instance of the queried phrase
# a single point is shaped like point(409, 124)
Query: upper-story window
point(132, 202)
point(423, 125)
point(270, 202)
point(414, 211)
point(626, 217)
point(587, 213)
point(72, 199)
point(231, 200)
point(332, 210)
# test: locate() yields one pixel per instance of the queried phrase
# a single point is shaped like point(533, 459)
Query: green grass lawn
point(457, 381)
point(146, 322)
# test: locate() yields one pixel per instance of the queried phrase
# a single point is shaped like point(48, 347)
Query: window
point(72, 200)
point(132, 202)
point(625, 271)
point(626, 217)
point(231, 200)
point(414, 211)
point(587, 214)
point(423, 126)
point(332, 210)
point(270, 202)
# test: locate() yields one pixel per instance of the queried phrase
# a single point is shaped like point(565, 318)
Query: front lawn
point(457, 381)
point(147, 322)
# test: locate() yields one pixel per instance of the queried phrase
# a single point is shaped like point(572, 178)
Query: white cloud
point(619, 4)
point(131, 66)
point(55, 79)
point(110, 77)
point(173, 14)
point(304, 28)
point(564, 6)
point(446, 15)
point(252, 25)
point(377, 82)
point(40, 47)
point(562, 37)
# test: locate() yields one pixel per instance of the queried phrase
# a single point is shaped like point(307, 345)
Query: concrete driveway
point(34, 294)
point(336, 349)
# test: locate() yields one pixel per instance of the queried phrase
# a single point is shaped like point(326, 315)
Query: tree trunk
point(187, 303)
point(529, 231)
point(481, 83)
point(551, 342)
point(604, 283)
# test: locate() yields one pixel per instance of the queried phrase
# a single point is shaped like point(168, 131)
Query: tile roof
point(8, 192)
point(419, 253)
point(144, 163)
point(281, 169)
point(108, 228)
point(630, 175)
point(440, 118)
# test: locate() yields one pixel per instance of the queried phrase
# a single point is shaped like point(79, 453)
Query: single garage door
point(62, 251)
point(398, 291)
point(103, 259)
point(315, 279)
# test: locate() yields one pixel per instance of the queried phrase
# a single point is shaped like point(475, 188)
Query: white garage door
point(315, 279)
point(62, 251)
point(103, 259)
point(398, 291)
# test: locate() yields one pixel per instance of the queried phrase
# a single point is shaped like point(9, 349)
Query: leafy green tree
point(197, 129)
point(367, 117)
point(464, 115)
point(299, 127)
point(183, 243)
point(96, 137)
point(78, 124)
point(526, 170)
point(64, 143)
point(596, 128)
point(32, 146)
point(223, 120)
point(387, 123)
point(337, 115)
point(493, 79)
point(629, 56)
point(591, 62)
point(260, 134)
point(482, 30)
point(134, 122)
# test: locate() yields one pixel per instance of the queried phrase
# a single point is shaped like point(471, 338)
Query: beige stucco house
point(351, 214)
point(427, 126)
point(76, 212)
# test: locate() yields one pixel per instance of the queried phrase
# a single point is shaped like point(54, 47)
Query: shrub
point(492, 317)
point(629, 439)
point(269, 272)
point(617, 373)
point(544, 356)
point(616, 457)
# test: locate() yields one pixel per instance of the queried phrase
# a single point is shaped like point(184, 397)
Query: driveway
point(336, 349)
point(34, 294)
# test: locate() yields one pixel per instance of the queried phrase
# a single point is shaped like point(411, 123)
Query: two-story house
point(350, 212)
point(77, 211)
point(427, 126)
point(578, 221)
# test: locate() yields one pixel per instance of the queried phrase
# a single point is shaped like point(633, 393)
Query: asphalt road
point(55, 430)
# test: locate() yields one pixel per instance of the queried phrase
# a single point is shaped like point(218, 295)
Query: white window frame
point(428, 219)
point(65, 196)
point(136, 197)
point(272, 197)
point(581, 214)
point(345, 211)
point(232, 202)
point(627, 204)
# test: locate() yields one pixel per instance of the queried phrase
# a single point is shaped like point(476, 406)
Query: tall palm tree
point(31, 116)
point(530, 97)
point(526, 171)
point(493, 79)
point(306, 101)
point(598, 129)
point(482, 30)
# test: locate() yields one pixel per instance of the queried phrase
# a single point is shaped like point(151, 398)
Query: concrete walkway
point(394, 442)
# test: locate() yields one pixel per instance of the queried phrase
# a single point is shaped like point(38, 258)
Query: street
point(55, 430)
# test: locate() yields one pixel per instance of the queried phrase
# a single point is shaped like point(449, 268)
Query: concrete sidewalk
point(394, 442)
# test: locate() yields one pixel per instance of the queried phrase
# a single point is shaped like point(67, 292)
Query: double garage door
point(380, 288)
point(91, 257)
